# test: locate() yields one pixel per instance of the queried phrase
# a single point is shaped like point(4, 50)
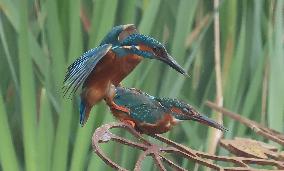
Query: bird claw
point(129, 122)
point(120, 108)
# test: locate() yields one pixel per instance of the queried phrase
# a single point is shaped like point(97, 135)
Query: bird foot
point(120, 108)
point(129, 122)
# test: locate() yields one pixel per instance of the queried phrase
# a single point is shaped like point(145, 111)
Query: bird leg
point(120, 108)
point(129, 122)
point(109, 100)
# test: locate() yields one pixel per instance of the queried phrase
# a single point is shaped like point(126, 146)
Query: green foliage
point(39, 130)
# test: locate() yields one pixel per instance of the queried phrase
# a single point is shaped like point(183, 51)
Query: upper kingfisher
point(118, 54)
point(152, 115)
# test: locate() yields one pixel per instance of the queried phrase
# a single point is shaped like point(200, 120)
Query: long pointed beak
point(207, 121)
point(173, 63)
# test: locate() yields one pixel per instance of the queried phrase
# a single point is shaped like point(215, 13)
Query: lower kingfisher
point(108, 64)
point(152, 115)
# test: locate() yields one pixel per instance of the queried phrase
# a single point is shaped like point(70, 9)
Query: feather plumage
point(82, 67)
point(156, 115)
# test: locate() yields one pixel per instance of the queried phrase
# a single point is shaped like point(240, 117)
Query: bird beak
point(173, 63)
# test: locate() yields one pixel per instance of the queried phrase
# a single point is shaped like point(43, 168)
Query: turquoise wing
point(146, 113)
point(142, 107)
point(81, 68)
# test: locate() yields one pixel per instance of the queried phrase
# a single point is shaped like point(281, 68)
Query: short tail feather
point(84, 112)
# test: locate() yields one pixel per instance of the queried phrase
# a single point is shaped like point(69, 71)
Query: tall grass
point(39, 130)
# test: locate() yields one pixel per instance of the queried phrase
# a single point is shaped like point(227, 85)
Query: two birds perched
point(99, 72)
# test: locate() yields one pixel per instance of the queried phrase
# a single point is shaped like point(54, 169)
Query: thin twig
point(256, 127)
point(264, 95)
point(216, 134)
point(85, 20)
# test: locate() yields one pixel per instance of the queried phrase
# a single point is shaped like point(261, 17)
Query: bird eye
point(156, 50)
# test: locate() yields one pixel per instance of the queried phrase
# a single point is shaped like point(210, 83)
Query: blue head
point(149, 47)
point(118, 33)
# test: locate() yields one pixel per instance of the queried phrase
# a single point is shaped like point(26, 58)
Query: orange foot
point(120, 108)
point(129, 122)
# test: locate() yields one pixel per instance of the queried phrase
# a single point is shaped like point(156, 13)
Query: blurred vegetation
point(39, 130)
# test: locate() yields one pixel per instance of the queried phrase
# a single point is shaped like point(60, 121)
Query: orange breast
point(162, 126)
point(110, 70)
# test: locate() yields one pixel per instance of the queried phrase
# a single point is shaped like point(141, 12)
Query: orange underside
point(160, 127)
point(110, 70)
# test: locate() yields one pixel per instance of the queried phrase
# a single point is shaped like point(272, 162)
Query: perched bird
point(108, 64)
point(152, 115)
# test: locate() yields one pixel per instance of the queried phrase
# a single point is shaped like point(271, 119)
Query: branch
point(157, 152)
point(256, 127)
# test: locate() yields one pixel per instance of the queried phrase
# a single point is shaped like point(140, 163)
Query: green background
point(39, 130)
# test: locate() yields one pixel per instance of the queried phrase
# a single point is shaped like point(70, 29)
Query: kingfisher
point(152, 115)
point(118, 54)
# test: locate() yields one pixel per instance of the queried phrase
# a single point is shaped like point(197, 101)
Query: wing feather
point(81, 68)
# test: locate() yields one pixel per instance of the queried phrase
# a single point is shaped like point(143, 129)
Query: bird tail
point(84, 112)
point(207, 121)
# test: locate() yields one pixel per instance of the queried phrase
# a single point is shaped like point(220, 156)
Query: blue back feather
point(142, 106)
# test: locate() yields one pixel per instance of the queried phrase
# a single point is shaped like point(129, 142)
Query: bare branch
point(158, 152)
